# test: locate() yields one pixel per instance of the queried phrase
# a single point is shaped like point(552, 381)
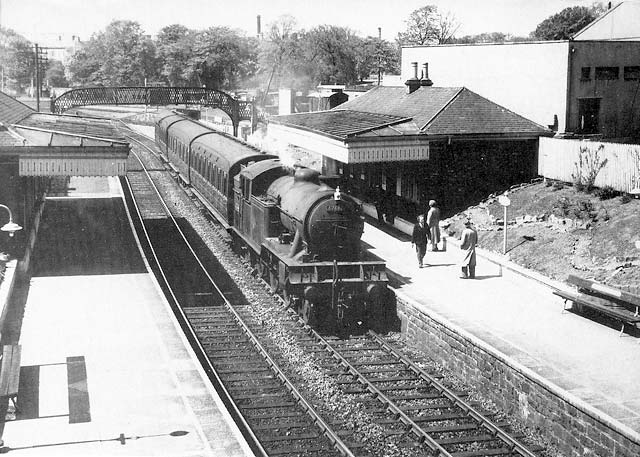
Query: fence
point(615, 164)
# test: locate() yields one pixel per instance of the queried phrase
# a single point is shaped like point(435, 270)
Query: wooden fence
point(617, 165)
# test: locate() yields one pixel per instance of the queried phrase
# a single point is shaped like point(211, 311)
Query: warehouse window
point(607, 73)
point(631, 73)
point(585, 74)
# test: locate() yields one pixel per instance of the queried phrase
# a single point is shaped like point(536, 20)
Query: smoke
point(272, 145)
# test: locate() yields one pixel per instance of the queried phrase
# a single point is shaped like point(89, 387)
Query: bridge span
point(237, 110)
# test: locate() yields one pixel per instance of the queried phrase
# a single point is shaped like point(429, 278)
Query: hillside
point(557, 231)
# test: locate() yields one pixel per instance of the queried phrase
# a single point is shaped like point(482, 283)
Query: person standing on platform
point(419, 238)
point(433, 221)
point(468, 244)
point(378, 201)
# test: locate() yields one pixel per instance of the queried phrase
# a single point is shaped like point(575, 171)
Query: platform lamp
point(10, 226)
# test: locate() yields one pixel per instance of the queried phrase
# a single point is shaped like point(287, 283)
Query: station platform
point(515, 312)
point(105, 367)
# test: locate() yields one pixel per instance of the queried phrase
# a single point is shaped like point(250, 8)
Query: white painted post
point(504, 201)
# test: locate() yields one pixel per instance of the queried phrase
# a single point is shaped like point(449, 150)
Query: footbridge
point(237, 110)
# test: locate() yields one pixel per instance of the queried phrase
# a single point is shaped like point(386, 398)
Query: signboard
point(504, 200)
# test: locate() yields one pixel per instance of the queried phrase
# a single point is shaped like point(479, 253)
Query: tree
point(222, 58)
point(489, 37)
point(563, 25)
point(427, 25)
point(16, 60)
point(329, 54)
point(174, 45)
point(374, 54)
point(122, 55)
point(54, 75)
point(281, 53)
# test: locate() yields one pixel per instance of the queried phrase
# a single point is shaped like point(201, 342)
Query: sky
point(39, 19)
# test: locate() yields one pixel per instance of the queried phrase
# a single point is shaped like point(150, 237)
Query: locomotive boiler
point(300, 235)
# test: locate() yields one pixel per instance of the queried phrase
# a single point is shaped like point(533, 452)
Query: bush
point(562, 206)
point(626, 198)
point(605, 193)
point(558, 185)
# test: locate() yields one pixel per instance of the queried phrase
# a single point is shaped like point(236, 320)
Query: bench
point(10, 372)
point(609, 301)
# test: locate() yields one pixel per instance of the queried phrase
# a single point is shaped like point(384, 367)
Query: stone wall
point(574, 427)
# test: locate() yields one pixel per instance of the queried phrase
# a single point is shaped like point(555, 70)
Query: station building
point(417, 143)
point(588, 85)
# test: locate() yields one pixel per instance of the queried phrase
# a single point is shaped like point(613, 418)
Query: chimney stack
point(425, 81)
point(258, 27)
point(413, 84)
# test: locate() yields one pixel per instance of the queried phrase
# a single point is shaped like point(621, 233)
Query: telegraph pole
point(40, 60)
point(379, 51)
point(37, 77)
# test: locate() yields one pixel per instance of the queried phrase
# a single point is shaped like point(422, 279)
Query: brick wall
point(572, 426)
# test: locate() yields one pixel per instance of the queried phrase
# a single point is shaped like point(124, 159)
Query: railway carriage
point(205, 159)
point(302, 236)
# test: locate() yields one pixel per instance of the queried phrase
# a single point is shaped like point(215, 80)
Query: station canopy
point(60, 145)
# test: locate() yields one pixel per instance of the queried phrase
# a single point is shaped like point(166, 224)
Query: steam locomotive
point(301, 236)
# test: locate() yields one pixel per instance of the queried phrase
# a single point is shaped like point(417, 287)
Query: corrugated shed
point(11, 110)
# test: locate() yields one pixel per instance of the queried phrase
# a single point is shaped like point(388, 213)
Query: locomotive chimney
point(413, 83)
point(425, 81)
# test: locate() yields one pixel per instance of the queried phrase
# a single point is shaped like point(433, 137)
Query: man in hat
point(468, 244)
point(419, 238)
point(433, 221)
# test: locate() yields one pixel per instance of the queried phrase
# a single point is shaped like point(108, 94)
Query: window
point(631, 73)
point(604, 73)
point(585, 74)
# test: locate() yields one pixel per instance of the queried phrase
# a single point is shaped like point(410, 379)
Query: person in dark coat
point(378, 201)
point(389, 206)
point(433, 221)
point(468, 242)
point(419, 238)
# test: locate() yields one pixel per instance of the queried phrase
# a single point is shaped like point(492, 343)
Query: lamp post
point(10, 226)
point(504, 201)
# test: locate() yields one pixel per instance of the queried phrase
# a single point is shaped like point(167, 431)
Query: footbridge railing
point(237, 110)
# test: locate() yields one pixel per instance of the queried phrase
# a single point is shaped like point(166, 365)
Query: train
point(302, 236)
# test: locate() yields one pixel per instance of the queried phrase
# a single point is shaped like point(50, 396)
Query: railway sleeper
point(467, 439)
point(292, 437)
point(432, 396)
point(283, 426)
point(460, 427)
point(244, 355)
point(284, 404)
point(242, 367)
point(484, 453)
point(264, 374)
point(307, 451)
point(254, 388)
point(261, 396)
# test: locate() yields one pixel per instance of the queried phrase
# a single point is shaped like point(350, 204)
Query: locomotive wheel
point(273, 281)
point(306, 312)
point(260, 269)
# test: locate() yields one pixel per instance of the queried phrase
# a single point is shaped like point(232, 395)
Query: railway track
point(413, 411)
point(273, 416)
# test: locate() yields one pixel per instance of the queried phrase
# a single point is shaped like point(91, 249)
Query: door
point(588, 114)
